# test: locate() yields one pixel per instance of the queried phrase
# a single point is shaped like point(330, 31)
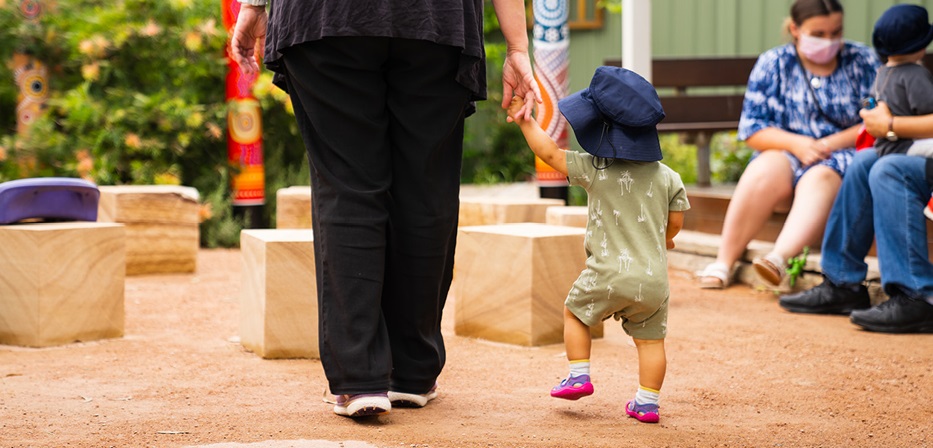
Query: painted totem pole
point(30, 74)
point(551, 45)
point(244, 131)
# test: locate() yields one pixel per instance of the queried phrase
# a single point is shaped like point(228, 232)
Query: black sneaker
point(899, 314)
point(827, 298)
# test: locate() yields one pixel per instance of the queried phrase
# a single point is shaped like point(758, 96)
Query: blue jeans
point(883, 198)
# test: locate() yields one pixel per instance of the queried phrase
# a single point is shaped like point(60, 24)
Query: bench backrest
point(704, 112)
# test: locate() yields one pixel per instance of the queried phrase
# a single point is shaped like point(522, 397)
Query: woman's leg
point(764, 185)
point(813, 200)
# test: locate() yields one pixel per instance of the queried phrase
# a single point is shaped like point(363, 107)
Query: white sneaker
point(362, 405)
point(406, 400)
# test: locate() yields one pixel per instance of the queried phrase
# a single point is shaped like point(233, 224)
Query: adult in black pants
point(380, 90)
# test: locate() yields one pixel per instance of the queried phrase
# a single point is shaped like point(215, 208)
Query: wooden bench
point(715, 108)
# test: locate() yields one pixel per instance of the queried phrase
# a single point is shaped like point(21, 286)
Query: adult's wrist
point(513, 49)
point(258, 3)
point(891, 135)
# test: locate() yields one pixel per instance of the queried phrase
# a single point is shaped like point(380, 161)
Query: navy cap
point(902, 29)
point(616, 116)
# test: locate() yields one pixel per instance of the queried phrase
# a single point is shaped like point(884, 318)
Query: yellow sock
point(647, 395)
point(579, 367)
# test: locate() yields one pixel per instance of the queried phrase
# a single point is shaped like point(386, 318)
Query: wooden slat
point(713, 72)
point(705, 72)
point(708, 72)
point(714, 110)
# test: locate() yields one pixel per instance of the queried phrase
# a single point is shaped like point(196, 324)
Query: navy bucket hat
point(902, 29)
point(615, 117)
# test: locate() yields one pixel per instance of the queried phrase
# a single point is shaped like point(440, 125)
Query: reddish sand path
point(741, 373)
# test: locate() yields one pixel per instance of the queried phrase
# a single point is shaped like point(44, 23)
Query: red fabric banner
point(244, 126)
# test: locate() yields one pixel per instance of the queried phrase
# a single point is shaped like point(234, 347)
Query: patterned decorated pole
point(244, 129)
point(31, 75)
point(551, 45)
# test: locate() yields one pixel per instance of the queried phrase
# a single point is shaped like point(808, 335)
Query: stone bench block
point(293, 208)
point(490, 210)
point(278, 300)
point(61, 282)
point(511, 281)
point(572, 216)
point(162, 233)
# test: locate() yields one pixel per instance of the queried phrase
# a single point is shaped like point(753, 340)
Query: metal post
point(636, 36)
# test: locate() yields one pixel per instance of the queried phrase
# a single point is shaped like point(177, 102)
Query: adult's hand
point(809, 150)
point(249, 37)
point(877, 119)
point(518, 81)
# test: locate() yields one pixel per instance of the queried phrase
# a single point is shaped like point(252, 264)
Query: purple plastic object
point(48, 198)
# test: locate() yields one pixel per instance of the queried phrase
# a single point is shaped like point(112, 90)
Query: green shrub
point(137, 97)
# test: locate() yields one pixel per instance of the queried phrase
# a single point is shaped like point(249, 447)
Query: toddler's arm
point(538, 140)
point(675, 222)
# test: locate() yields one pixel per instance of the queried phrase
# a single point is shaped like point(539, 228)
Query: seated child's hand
point(514, 107)
point(670, 244)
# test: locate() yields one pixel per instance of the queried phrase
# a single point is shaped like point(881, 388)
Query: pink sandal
point(573, 388)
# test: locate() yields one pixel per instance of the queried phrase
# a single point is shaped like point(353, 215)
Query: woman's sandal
point(714, 276)
point(770, 268)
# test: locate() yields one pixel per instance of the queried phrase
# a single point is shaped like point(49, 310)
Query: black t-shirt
point(457, 23)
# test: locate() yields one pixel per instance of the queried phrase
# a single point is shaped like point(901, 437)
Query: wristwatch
point(891, 136)
point(254, 2)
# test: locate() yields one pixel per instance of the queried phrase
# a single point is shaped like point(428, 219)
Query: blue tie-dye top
point(778, 96)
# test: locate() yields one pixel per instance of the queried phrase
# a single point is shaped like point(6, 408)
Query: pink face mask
point(818, 49)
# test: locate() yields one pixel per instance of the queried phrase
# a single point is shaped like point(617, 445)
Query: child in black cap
point(636, 206)
point(900, 38)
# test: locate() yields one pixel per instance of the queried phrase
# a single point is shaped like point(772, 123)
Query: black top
point(457, 23)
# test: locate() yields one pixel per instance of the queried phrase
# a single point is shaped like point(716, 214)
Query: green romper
point(626, 264)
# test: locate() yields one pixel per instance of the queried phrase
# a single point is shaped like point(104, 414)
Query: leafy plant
point(137, 97)
point(796, 265)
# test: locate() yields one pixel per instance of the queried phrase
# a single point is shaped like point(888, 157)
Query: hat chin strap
point(599, 162)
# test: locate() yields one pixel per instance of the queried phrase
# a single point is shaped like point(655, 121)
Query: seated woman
point(801, 116)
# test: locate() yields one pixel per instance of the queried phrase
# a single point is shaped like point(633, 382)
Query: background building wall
point(692, 28)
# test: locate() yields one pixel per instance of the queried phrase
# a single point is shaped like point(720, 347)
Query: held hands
point(516, 111)
point(877, 119)
point(249, 36)
point(518, 81)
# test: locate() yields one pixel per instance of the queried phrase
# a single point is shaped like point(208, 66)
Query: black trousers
point(382, 120)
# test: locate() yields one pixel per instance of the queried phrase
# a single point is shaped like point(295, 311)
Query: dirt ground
point(741, 373)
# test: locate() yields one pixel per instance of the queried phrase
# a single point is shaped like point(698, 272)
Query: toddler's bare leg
point(652, 362)
point(577, 338)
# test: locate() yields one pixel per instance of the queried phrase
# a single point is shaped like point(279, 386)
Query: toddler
point(900, 37)
point(636, 206)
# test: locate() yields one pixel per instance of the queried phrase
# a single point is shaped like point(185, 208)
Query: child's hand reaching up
point(514, 107)
point(538, 140)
